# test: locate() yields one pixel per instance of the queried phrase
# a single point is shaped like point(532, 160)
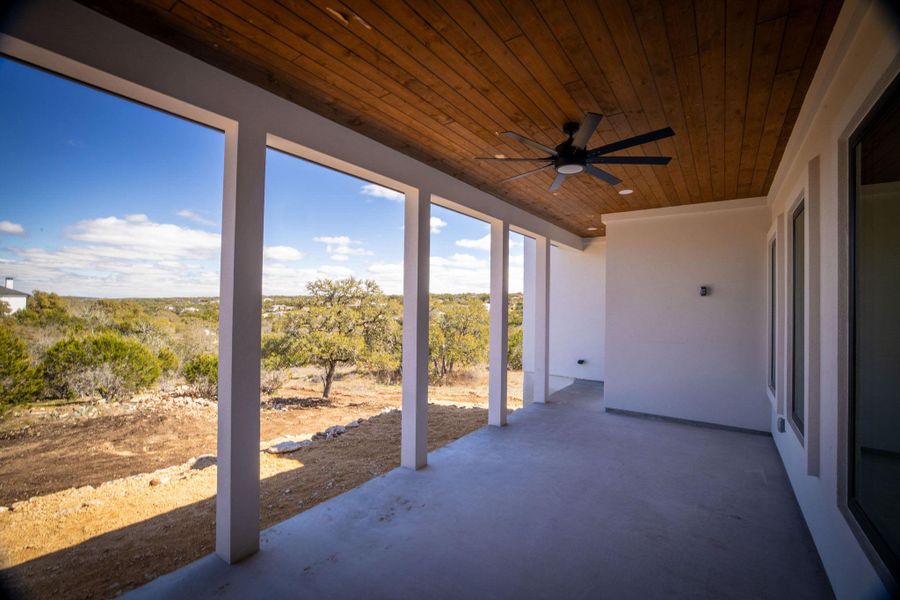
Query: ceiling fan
point(572, 157)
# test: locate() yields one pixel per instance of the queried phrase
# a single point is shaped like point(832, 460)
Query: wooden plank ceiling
point(437, 79)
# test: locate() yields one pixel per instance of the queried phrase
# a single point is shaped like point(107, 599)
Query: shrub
point(514, 349)
point(168, 362)
point(270, 380)
point(19, 381)
point(202, 374)
point(106, 364)
point(45, 309)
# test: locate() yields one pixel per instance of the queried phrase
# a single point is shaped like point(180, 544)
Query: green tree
point(457, 335)
point(338, 325)
point(107, 364)
point(19, 380)
point(385, 348)
point(202, 374)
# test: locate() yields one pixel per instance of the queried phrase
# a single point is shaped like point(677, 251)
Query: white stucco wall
point(577, 311)
point(670, 351)
point(577, 314)
point(862, 57)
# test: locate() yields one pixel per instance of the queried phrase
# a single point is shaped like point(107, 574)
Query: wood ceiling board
point(438, 79)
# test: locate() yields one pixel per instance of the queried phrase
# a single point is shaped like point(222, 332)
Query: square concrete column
point(237, 500)
point(497, 355)
point(541, 319)
point(416, 254)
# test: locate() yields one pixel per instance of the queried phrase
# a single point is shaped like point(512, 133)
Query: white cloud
point(137, 237)
point(282, 253)
point(196, 217)
point(377, 191)
point(437, 224)
point(334, 239)
point(132, 255)
point(11, 228)
point(129, 256)
point(389, 276)
point(483, 243)
point(283, 279)
point(342, 245)
point(455, 274)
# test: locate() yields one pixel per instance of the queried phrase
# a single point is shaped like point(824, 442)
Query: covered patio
point(639, 508)
point(712, 453)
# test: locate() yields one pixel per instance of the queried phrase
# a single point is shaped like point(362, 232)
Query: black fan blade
point(514, 158)
point(525, 174)
point(600, 174)
point(560, 177)
point(630, 160)
point(532, 143)
point(632, 141)
point(586, 130)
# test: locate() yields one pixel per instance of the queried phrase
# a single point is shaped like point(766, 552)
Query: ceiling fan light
point(570, 169)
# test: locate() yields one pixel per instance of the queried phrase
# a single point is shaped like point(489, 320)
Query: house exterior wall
point(577, 314)
point(671, 351)
point(862, 57)
point(577, 311)
point(16, 303)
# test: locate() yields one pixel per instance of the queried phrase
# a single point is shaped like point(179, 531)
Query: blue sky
point(100, 196)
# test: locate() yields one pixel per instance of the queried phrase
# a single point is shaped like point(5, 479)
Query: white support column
point(237, 500)
point(541, 320)
point(416, 254)
point(499, 336)
point(528, 323)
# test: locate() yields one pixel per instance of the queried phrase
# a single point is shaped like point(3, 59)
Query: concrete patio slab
point(568, 501)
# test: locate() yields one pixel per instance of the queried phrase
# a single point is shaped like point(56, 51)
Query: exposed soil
point(145, 507)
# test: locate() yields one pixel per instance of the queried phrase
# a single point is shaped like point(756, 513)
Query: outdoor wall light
point(581, 361)
point(705, 290)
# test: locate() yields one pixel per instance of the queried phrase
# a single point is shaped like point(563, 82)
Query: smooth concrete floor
point(566, 502)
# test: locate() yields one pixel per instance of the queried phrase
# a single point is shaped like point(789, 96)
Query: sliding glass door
point(874, 436)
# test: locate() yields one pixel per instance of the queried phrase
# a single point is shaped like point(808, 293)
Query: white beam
point(541, 320)
point(499, 336)
point(416, 252)
point(237, 500)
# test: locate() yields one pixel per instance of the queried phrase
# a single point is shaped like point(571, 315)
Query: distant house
point(14, 298)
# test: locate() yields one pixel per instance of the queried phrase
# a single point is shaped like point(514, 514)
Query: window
point(874, 353)
point(772, 318)
point(798, 338)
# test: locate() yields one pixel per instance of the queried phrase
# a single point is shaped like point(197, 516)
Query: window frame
point(773, 315)
point(799, 208)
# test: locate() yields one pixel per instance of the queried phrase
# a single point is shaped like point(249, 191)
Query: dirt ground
point(104, 498)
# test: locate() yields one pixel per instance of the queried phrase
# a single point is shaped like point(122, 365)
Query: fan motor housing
point(569, 160)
